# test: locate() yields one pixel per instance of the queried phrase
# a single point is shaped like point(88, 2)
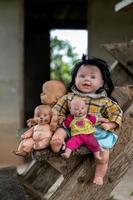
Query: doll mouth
point(86, 85)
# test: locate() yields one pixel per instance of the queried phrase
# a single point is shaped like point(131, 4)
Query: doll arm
point(67, 122)
point(102, 119)
point(59, 113)
point(109, 125)
point(114, 115)
point(27, 134)
point(105, 123)
point(54, 120)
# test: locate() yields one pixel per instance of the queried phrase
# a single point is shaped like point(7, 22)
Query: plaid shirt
point(99, 105)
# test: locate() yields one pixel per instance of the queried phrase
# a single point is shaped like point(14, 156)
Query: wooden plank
point(123, 4)
point(120, 161)
point(64, 166)
point(121, 76)
point(123, 52)
point(39, 179)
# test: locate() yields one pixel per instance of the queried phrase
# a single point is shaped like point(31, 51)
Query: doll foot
point(98, 180)
point(65, 155)
point(21, 153)
point(63, 146)
point(97, 155)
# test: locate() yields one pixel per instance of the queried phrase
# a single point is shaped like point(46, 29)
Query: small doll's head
point(42, 114)
point(51, 91)
point(78, 107)
point(91, 75)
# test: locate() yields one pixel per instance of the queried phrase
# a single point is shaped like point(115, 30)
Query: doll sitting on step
point(82, 129)
point(52, 90)
point(38, 136)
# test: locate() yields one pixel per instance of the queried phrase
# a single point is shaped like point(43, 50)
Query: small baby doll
point(52, 90)
point(82, 129)
point(38, 136)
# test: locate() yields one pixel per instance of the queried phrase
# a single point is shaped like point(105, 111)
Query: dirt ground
point(9, 143)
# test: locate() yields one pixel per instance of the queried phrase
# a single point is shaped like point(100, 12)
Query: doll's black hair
point(104, 68)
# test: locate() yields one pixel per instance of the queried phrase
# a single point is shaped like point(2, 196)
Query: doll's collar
point(92, 95)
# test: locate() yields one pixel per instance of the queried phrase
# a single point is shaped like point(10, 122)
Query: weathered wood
point(124, 96)
point(123, 52)
point(121, 76)
point(39, 179)
point(64, 166)
point(120, 161)
point(124, 4)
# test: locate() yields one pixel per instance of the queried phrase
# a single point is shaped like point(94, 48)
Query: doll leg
point(44, 143)
point(67, 153)
point(72, 144)
point(25, 147)
point(58, 139)
point(92, 144)
point(101, 167)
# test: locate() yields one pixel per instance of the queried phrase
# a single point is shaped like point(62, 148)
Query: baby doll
point(51, 91)
point(82, 129)
point(38, 136)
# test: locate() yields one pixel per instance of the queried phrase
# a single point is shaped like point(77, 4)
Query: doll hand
point(31, 122)
point(24, 136)
point(61, 119)
point(53, 126)
point(109, 125)
point(102, 119)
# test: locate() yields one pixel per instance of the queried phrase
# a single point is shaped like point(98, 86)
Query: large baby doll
point(38, 136)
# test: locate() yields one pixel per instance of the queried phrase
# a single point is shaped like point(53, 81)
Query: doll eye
point(93, 76)
point(82, 76)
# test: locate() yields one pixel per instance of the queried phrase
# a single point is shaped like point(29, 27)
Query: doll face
point(52, 91)
point(42, 116)
point(89, 79)
point(78, 108)
point(49, 97)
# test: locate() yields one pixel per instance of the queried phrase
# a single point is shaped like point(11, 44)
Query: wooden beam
point(122, 52)
point(123, 4)
point(121, 160)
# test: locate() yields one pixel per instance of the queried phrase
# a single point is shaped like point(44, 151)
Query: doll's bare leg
point(97, 155)
point(42, 144)
point(67, 153)
point(101, 167)
point(58, 140)
point(25, 147)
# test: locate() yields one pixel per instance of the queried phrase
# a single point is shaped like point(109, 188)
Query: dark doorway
point(40, 17)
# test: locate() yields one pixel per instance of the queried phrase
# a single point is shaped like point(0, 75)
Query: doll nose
point(87, 78)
